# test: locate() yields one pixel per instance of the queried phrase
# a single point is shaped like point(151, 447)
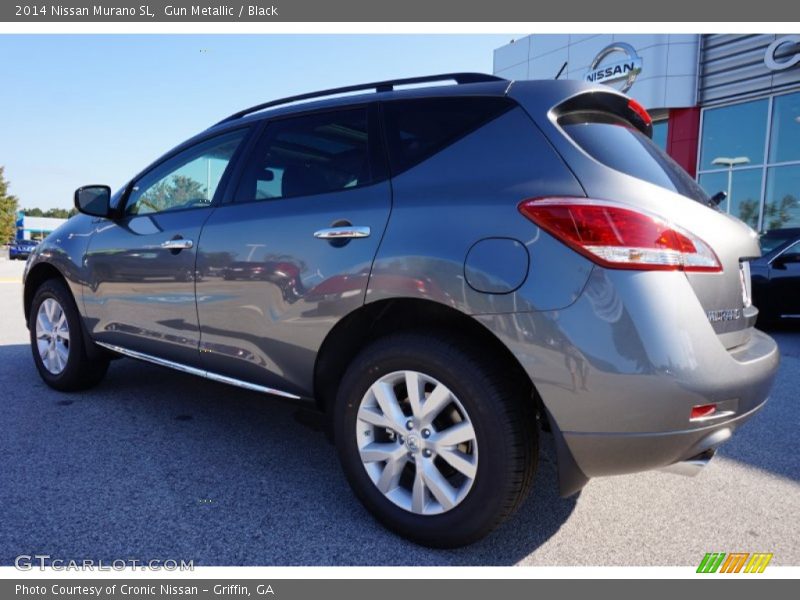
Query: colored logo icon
point(735, 562)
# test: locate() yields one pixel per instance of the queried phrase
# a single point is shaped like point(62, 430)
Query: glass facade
point(751, 151)
point(660, 134)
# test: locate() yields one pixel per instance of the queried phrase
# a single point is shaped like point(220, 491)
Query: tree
point(181, 190)
point(748, 212)
point(776, 215)
point(8, 211)
point(56, 213)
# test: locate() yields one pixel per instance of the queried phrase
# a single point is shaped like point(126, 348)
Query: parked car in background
point(442, 271)
point(776, 276)
point(21, 249)
point(770, 240)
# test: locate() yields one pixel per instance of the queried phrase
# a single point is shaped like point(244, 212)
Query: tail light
point(702, 411)
point(620, 237)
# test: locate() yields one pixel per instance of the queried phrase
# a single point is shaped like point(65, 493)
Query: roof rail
point(379, 86)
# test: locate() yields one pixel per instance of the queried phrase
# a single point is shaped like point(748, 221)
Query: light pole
point(730, 163)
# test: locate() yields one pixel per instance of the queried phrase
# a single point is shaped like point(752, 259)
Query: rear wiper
point(717, 198)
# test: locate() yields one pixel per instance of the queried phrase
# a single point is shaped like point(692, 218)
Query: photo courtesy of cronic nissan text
point(513, 297)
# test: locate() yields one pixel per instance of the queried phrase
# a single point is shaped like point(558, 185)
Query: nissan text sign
point(622, 72)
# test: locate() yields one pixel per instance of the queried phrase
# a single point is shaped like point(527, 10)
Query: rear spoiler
point(614, 103)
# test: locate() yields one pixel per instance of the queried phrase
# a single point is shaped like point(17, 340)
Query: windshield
point(616, 143)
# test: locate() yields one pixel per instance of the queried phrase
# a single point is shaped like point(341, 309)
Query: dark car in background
point(771, 240)
point(443, 272)
point(21, 249)
point(776, 276)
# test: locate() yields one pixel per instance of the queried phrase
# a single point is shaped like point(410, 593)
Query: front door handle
point(177, 244)
point(347, 232)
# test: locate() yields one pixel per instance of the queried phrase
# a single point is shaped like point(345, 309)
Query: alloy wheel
point(417, 442)
point(52, 336)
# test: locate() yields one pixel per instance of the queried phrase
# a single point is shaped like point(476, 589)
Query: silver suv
point(443, 271)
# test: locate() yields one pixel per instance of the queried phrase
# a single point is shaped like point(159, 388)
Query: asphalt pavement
point(155, 464)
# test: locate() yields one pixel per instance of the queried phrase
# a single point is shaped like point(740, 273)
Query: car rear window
point(616, 143)
point(417, 129)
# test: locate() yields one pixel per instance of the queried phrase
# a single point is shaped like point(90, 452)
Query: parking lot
point(155, 464)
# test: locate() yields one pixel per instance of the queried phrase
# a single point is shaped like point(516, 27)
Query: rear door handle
point(177, 244)
point(348, 232)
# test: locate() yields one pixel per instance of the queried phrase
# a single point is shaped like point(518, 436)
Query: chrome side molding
point(198, 372)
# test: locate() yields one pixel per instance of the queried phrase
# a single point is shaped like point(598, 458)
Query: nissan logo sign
point(778, 55)
point(620, 72)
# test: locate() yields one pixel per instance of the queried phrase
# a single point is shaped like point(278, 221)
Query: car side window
point(792, 255)
point(419, 128)
point(308, 155)
point(188, 180)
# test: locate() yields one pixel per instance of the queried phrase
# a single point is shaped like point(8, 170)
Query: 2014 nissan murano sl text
point(443, 271)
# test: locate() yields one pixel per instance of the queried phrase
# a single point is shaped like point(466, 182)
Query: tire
point(65, 371)
point(496, 464)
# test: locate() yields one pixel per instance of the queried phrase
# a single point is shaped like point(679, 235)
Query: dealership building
point(725, 107)
point(36, 228)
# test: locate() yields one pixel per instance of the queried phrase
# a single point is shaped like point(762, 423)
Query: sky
point(81, 109)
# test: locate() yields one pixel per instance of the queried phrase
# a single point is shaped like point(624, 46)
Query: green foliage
point(169, 194)
point(777, 214)
point(748, 212)
point(55, 213)
point(8, 211)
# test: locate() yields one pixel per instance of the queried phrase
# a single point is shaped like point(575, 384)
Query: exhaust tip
point(691, 466)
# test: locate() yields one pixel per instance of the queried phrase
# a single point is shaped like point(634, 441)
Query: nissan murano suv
point(444, 272)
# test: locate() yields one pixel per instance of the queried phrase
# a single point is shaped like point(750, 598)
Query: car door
point(142, 267)
point(784, 282)
point(291, 254)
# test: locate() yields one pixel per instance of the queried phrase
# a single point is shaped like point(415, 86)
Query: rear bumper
point(619, 371)
point(619, 453)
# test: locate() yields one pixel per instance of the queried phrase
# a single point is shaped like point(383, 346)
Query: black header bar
point(440, 11)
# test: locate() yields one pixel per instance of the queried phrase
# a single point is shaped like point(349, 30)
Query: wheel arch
point(45, 271)
point(384, 317)
point(39, 273)
point(377, 319)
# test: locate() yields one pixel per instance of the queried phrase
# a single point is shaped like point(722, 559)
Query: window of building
point(734, 133)
point(785, 132)
point(782, 197)
point(744, 199)
point(660, 134)
point(750, 151)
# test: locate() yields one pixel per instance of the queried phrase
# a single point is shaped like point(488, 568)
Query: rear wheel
point(436, 440)
point(57, 342)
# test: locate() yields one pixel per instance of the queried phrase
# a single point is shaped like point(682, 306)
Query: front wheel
point(57, 342)
point(436, 440)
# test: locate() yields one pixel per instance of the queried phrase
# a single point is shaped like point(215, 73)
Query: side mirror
point(94, 200)
point(786, 259)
